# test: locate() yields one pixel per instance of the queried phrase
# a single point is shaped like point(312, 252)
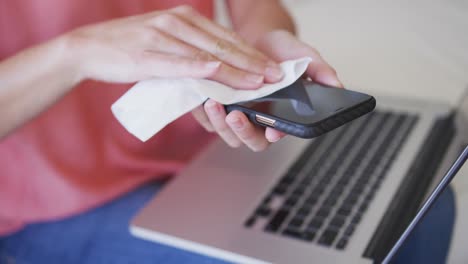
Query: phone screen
point(306, 102)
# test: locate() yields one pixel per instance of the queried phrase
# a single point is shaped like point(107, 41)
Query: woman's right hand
point(178, 42)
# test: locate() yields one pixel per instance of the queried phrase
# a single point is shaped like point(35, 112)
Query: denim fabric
point(101, 236)
point(430, 240)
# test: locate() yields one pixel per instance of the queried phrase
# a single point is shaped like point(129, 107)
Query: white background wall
point(417, 48)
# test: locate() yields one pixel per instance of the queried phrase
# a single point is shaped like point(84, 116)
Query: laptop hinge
point(412, 190)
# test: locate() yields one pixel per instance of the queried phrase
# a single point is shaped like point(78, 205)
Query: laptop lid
point(427, 205)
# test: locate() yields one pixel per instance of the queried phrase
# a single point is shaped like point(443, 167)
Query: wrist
point(71, 57)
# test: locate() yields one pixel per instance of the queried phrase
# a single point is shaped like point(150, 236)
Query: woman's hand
point(235, 127)
point(182, 43)
point(281, 45)
point(177, 42)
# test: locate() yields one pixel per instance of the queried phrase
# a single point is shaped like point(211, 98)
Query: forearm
point(32, 80)
point(253, 19)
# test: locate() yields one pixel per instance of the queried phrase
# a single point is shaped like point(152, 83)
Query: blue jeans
point(101, 236)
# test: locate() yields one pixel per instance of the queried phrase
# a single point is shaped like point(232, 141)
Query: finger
point(226, 74)
point(191, 15)
point(323, 73)
point(248, 133)
point(273, 135)
point(292, 48)
point(216, 115)
point(155, 64)
point(200, 115)
point(221, 49)
point(237, 79)
point(318, 69)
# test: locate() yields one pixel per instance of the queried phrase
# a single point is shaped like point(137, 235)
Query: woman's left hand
point(235, 128)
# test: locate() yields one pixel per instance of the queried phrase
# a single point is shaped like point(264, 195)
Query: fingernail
point(335, 83)
point(274, 73)
point(254, 78)
point(212, 106)
point(339, 84)
point(213, 64)
point(274, 139)
point(236, 122)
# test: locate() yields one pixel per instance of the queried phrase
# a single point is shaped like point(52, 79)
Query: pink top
point(76, 156)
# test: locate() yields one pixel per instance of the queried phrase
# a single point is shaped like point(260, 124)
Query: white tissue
point(150, 105)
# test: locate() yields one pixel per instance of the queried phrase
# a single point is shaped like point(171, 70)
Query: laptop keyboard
point(325, 193)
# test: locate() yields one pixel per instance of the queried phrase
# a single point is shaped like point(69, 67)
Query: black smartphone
point(306, 109)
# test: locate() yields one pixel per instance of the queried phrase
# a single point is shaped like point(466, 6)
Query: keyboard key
point(369, 196)
point(287, 180)
point(296, 222)
point(364, 181)
point(323, 212)
point(344, 211)
point(365, 177)
point(356, 219)
point(358, 188)
point(263, 211)
point(349, 230)
point(328, 237)
point(352, 198)
point(342, 243)
point(250, 222)
point(309, 235)
point(304, 210)
point(277, 220)
point(267, 200)
point(330, 201)
point(347, 205)
point(316, 223)
point(299, 191)
point(332, 171)
point(376, 185)
point(344, 181)
point(337, 190)
point(324, 181)
point(337, 222)
point(292, 232)
point(280, 189)
point(363, 207)
point(351, 170)
point(312, 199)
point(291, 201)
point(306, 181)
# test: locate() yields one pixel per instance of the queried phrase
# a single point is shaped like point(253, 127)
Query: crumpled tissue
point(150, 105)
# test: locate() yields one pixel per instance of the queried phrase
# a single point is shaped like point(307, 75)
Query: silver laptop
point(344, 197)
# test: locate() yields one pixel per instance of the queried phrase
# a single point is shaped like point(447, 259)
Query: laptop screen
point(461, 116)
point(429, 204)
